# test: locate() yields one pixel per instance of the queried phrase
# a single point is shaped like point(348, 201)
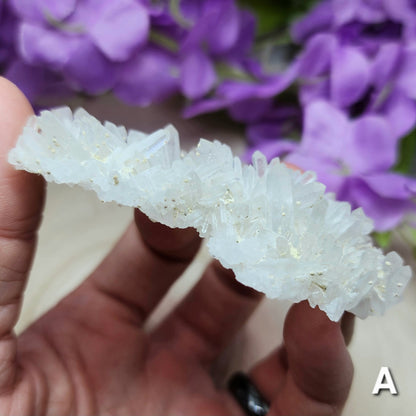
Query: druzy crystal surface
point(274, 227)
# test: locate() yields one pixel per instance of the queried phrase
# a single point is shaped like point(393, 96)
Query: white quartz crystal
point(275, 227)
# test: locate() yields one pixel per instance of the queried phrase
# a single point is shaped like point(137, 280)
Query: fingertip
point(15, 110)
point(302, 321)
point(21, 193)
point(317, 353)
point(311, 337)
point(13, 102)
point(170, 243)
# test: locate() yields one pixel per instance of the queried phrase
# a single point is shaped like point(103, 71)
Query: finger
point(209, 316)
point(21, 201)
point(347, 326)
point(138, 271)
point(314, 372)
point(269, 374)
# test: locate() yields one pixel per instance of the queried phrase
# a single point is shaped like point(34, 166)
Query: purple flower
point(352, 158)
point(368, 11)
point(8, 24)
point(36, 82)
point(328, 69)
point(150, 76)
point(142, 50)
point(318, 20)
point(198, 74)
point(356, 86)
point(203, 46)
point(379, 14)
point(247, 101)
point(85, 40)
point(360, 70)
point(270, 132)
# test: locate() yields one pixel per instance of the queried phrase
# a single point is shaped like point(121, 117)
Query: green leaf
point(272, 14)
point(382, 239)
point(407, 154)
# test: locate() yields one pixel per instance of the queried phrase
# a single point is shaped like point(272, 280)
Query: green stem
point(62, 26)
point(163, 41)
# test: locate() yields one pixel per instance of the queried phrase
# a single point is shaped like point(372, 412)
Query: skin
point(90, 355)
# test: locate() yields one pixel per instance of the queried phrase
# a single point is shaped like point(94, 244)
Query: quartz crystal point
point(274, 227)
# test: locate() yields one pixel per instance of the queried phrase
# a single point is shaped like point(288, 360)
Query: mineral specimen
point(275, 227)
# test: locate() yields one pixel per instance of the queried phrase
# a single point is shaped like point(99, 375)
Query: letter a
point(384, 382)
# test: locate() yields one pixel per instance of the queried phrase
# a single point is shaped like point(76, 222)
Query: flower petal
point(391, 185)
point(406, 77)
point(344, 10)
point(398, 10)
point(43, 10)
point(36, 82)
point(264, 132)
point(120, 26)
point(150, 77)
point(217, 27)
point(316, 57)
point(40, 46)
point(204, 105)
point(317, 20)
point(246, 34)
point(371, 11)
point(400, 112)
point(373, 146)
point(271, 149)
point(250, 110)
point(327, 171)
point(197, 74)
point(385, 63)
point(225, 17)
point(387, 213)
point(325, 130)
point(315, 90)
point(350, 75)
point(266, 88)
point(89, 70)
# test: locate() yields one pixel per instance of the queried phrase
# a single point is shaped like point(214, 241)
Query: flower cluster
point(356, 86)
point(141, 50)
point(348, 91)
point(356, 96)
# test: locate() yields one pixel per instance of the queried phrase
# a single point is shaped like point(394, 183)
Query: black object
point(247, 395)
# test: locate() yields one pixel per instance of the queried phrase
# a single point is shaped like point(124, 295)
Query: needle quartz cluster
point(273, 226)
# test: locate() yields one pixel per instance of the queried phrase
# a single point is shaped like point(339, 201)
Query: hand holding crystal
point(90, 354)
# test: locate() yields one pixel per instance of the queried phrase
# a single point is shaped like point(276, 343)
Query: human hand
point(90, 355)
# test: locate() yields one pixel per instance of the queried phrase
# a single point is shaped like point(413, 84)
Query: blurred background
point(329, 85)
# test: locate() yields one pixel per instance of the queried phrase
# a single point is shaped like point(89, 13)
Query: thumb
point(21, 201)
